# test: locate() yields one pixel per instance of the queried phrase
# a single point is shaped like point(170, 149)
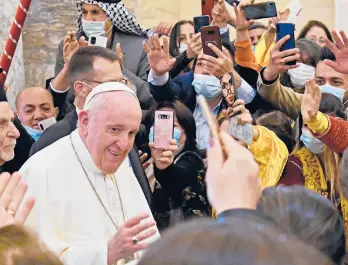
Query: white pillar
point(16, 78)
point(341, 15)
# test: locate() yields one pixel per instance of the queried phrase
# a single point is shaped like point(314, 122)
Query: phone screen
point(163, 131)
point(261, 10)
point(200, 22)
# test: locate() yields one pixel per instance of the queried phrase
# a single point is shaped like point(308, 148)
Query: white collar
point(83, 153)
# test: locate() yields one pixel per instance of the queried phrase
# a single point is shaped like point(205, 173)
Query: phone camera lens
point(93, 40)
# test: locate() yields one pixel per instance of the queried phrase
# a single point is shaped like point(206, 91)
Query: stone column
point(15, 79)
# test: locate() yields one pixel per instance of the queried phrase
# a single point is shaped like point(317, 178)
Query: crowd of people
point(91, 188)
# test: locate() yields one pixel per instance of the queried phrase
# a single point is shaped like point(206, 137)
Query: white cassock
point(69, 215)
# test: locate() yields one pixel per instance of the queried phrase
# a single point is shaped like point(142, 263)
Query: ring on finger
point(11, 212)
point(135, 240)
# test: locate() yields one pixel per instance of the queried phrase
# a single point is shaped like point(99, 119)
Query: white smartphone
point(45, 124)
point(98, 41)
point(241, 132)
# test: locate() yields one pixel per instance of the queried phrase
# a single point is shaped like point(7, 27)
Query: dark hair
point(343, 182)
point(309, 216)
point(314, 23)
point(174, 35)
point(239, 241)
point(333, 106)
point(280, 125)
point(81, 63)
point(326, 54)
point(185, 119)
point(311, 48)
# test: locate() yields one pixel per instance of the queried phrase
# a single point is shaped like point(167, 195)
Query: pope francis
point(89, 207)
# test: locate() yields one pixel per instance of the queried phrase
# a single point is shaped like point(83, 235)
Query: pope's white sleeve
point(45, 220)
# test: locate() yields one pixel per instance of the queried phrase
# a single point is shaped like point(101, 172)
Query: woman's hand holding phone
point(163, 158)
point(278, 60)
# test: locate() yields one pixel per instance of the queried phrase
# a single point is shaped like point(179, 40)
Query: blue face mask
point(176, 135)
point(207, 86)
point(93, 28)
point(35, 134)
point(336, 91)
point(313, 144)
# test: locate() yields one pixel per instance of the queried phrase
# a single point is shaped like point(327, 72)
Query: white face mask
point(93, 28)
point(301, 74)
point(183, 47)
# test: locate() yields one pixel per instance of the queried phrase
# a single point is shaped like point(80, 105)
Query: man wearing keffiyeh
point(109, 18)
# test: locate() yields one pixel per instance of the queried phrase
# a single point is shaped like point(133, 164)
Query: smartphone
point(98, 41)
point(163, 129)
point(211, 34)
point(207, 7)
point(231, 2)
point(200, 22)
point(243, 132)
point(45, 124)
point(284, 29)
point(261, 10)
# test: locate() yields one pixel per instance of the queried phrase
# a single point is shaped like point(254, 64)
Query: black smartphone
point(284, 29)
point(231, 2)
point(200, 22)
point(260, 10)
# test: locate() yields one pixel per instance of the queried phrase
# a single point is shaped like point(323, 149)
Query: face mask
point(93, 28)
point(313, 144)
point(35, 134)
point(336, 91)
point(176, 135)
point(299, 75)
point(183, 47)
point(207, 86)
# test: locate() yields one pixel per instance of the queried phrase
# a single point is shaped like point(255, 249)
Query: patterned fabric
point(315, 180)
point(271, 154)
point(117, 14)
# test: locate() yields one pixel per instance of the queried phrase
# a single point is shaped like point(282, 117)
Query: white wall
point(341, 15)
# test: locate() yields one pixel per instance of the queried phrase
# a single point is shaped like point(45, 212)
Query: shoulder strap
point(190, 153)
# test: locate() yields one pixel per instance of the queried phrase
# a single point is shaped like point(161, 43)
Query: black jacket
point(67, 126)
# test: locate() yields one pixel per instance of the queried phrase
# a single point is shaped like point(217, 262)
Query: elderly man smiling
point(90, 208)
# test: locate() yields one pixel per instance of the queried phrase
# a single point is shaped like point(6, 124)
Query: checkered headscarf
point(118, 14)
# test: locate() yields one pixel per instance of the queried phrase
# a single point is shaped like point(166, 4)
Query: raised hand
point(220, 14)
point(278, 60)
point(143, 157)
point(242, 23)
point(158, 58)
point(218, 66)
point(12, 192)
point(163, 28)
point(340, 50)
point(233, 183)
point(163, 158)
point(310, 101)
point(130, 238)
point(194, 46)
point(71, 45)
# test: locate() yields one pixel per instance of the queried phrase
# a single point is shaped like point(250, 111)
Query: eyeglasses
point(123, 81)
point(227, 89)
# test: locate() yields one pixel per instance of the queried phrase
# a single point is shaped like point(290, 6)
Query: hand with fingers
point(232, 183)
point(12, 192)
point(310, 101)
point(163, 158)
point(158, 58)
point(278, 60)
point(194, 46)
point(340, 50)
point(130, 238)
point(143, 157)
point(242, 24)
point(219, 14)
point(163, 28)
point(218, 66)
point(240, 110)
point(71, 45)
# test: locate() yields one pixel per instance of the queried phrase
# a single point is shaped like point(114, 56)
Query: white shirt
point(68, 216)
